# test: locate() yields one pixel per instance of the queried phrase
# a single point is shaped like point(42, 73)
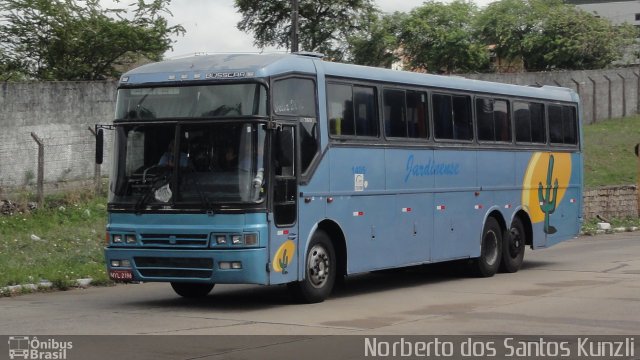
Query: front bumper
point(203, 266)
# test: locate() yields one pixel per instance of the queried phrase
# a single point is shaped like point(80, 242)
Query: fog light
point(115, 263)
point(224, 265)
point(131, 239)
point(221, 239)
point(236, 239)
point(251, 239)
point(125, 263)
point(117, 239)
point(236, 265)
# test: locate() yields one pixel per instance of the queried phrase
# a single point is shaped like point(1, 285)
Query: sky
point(211, 25)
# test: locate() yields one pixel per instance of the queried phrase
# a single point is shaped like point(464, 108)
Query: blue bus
point(287, 169)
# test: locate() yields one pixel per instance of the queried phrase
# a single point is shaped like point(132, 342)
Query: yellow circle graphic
point(284, 256)
point(545, 183)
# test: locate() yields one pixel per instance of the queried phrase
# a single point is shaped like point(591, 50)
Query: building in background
point(617, 11)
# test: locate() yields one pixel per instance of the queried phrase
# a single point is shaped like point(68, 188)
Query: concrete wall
point(60, 113)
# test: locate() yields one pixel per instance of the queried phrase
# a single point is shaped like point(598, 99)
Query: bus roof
point(247, 66)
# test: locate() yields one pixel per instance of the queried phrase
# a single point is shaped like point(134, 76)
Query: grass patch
point(609, 158)
point(59, 243)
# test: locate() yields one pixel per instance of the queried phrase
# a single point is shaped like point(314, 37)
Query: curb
point(610, 231)
point(43, 284)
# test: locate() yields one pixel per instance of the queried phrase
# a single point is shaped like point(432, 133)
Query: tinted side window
point(405, 114)
point(417, 115)
point(529, 122)
point(340, 111)
point(352, 110)
point(452, 117)
point(494, 122)
point(294, 96)
point(562, 125)
point(365, 111)
point(394, 113)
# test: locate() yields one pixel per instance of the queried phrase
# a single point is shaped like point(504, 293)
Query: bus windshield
point(205, 166)
point(192, 102)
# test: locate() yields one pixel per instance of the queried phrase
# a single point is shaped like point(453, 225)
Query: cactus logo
point(544, 185)
point(284, 256)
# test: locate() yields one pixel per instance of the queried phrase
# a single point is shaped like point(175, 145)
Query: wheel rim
point(490, 247)
point(515, 242)
point(318, 266)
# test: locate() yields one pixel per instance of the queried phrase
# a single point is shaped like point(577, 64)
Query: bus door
point(284, 237)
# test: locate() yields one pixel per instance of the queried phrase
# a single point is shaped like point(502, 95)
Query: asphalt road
point(589, 285)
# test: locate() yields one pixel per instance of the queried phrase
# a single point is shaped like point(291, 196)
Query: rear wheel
point(191, 290)
point(320, 271)
point(513, 246)
point(490, 251)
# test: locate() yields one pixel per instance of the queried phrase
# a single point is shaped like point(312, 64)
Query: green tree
point(506, 24)
point(548, 34)
point(80, 40)
point(324, 24)
point(439, 38)
point(377, 43)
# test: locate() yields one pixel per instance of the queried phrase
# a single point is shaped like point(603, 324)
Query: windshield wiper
point(205, 199)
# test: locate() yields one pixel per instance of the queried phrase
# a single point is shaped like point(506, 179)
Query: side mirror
point(99, 146)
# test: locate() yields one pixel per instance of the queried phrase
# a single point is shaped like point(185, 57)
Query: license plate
point(121, 275)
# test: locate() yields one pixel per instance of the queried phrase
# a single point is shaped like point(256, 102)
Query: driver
point(167, 158)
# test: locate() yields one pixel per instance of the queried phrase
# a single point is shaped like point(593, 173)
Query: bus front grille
point(170, 240)
point(174, 267)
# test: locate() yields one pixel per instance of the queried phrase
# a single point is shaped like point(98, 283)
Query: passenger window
point(352, 110)
point(452, 117)
point(417, 115)
point(529, 122)
point(494, 122)
point(394, 113)
point(562, 125)
point(405, 114)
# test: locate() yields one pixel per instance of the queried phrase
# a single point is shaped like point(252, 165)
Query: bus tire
point(513, 246)
point(319, 271)
point(192, 290)
point(490, 250)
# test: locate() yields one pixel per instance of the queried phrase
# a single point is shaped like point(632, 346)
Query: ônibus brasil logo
point(31, 348)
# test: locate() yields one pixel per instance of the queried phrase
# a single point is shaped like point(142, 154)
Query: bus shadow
point(253, 297)
point(394, 279)
point(414, 276)
point(256, 297)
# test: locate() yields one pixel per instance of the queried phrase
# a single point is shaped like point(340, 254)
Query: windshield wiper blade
point(205, 199)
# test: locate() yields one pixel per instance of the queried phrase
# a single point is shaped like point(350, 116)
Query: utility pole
point(294, 26)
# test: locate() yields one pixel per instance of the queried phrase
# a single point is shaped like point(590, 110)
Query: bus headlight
point(236, 239)
point(221, 239)
point(117, 239)
point(131, 239)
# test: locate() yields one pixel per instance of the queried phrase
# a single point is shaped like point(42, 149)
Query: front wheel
point(320, 271)
point(192, 290)
point(513, 246)
point(490, 251)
